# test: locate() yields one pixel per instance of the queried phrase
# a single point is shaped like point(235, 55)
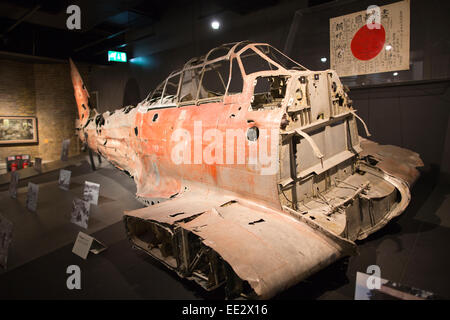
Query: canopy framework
point(191, 78)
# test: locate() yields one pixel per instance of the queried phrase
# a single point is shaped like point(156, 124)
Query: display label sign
point(80, 213)
point(64, 179)
point(90, 192)
point(13, 184)
point(65, 150)
point(371, 41)
point(6, 228)
point(85, 244)
point(32, 196)
point(82, 245)
point(38, 164)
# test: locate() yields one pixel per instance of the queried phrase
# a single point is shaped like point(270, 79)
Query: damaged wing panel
point(399, 162)
point(264, 249)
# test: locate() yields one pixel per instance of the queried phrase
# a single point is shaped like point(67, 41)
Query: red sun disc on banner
point(367, 43)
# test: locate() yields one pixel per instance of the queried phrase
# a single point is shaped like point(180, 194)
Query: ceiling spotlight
point(215, 24)
point(395, 74)
point(323, 59)
point(388, 47)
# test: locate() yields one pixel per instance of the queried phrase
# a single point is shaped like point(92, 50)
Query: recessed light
point(323, 59)
point(388, 47)
point(215, 24)
point(395, 74)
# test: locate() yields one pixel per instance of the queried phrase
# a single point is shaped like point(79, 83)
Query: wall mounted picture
point(6, 228)
point(80, 213)
point(15, 130)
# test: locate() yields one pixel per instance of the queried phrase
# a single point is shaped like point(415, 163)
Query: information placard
point(6, 228)
point(82, 245)
point(64, 179)
point(13, 184)
point(32, 196)
point(65, 150)
point(85, 244)
point(90, 192)
point(38, 164)
point(80, 213)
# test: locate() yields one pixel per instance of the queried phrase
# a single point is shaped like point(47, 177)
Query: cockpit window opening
point(190, 83)
point(235, 81)
point(213, 79)
point(269, 91)
point(170, 91)
point(156, 94)
point(253, 62)
point(280, 58)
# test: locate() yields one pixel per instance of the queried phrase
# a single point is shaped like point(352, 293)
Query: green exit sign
point(117, 56)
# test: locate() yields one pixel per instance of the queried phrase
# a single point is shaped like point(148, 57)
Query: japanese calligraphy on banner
point(371, 41)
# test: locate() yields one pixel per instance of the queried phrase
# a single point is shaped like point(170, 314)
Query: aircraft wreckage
point(265, 177)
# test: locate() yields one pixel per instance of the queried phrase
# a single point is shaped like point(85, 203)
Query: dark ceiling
point(38, 28)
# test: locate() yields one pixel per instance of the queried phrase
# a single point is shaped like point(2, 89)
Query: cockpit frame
point(199, 65)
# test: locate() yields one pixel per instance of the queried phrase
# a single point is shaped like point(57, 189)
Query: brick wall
point(44, 91)
point(17, 98)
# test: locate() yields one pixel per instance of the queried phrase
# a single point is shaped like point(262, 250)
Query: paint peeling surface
point(260, 175)
point(394, 160)
point(255, 246)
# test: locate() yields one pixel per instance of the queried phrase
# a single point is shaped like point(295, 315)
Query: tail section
point(81, 94)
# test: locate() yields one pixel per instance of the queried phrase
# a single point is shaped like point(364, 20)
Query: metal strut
point(313, 145)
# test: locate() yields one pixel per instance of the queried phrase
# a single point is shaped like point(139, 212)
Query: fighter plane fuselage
point(260, 161)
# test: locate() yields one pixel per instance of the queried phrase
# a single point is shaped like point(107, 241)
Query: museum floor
point(411, 250)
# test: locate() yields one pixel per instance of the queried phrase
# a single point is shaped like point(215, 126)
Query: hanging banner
point(371, 41)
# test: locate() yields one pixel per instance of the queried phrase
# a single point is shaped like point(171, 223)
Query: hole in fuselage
point(257, 221)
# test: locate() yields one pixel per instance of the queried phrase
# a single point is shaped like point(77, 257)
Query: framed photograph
point(90, 192)
point(15, 130)
point(80, 212)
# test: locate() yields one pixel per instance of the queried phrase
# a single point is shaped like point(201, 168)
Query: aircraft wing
point(267, 248)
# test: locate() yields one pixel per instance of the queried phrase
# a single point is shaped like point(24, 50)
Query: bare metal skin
point(254, 226)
